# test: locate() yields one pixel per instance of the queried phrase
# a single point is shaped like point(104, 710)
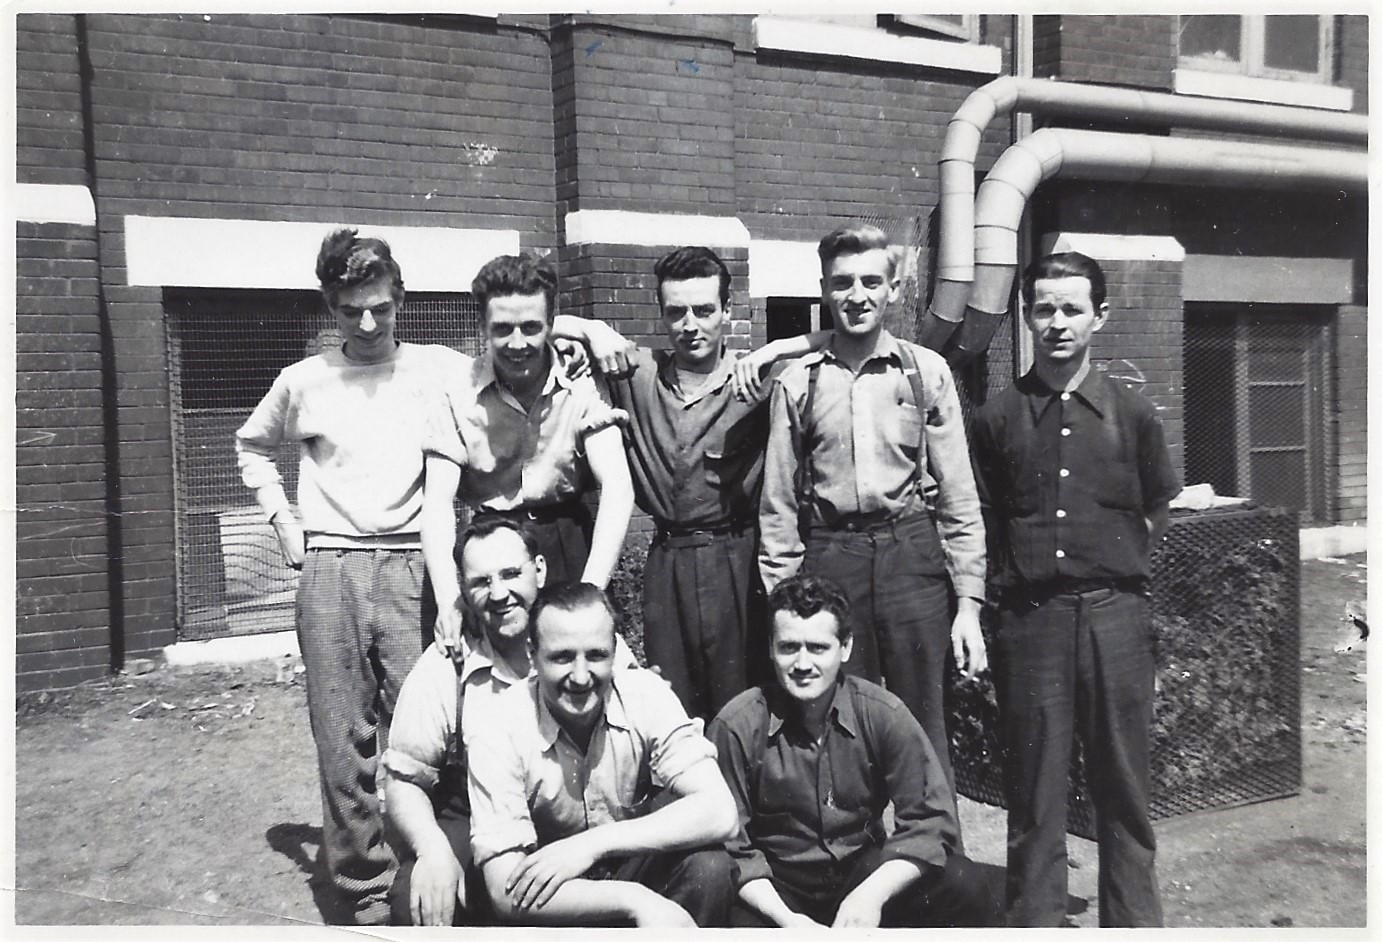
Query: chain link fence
point(224, 351)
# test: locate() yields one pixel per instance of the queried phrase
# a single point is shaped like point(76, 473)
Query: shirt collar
point(548, 728)
point(484, 375)
point(841, 711)
point(887, 349)
point(480, 655)
point(714, 382)
point(1092, 391)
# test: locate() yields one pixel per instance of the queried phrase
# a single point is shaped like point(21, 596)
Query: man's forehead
point(491, 552)
point(589, 626)
point(870, 261)
point(517, 306)
point(822, 624)
point(1070, 287)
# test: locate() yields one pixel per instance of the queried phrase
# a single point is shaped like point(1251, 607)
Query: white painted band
point(856, 42)
point(1251, 88)
point(53, 202)
point(1109, 247)
point(1268, 279)
point(251, 253)
point(619, 227)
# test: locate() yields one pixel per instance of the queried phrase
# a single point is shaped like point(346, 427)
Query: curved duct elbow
point(956, 260)
point(1092, 155)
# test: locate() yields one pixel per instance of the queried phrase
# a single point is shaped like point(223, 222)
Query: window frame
point(1253, 45)
point(965, 31)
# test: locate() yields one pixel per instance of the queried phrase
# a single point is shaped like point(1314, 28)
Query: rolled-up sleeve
point(676, 739)
point(500, 820)
point(925, 826)
point(424, 721)
point(733, 737)
point(441, 432)
point(257, 443)
point(780, 548)
point(959, 520)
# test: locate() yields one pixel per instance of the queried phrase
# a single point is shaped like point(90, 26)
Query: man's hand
point(290, 538)
point(859, 910)
point(436, 889)
point(448, 629)
point(967, 640)
point(747, 379)
point(571, 357)
point(653, 910)
point(611, 350)
point(542, 872)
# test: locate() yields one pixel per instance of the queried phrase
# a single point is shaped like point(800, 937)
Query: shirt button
point(1065, 431)
point(1065, 397)
point(1065, 472)
point(1060, 554)
point(1060, 514)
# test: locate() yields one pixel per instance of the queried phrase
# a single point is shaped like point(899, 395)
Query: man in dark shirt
point(1074, 479)
point(812, 760)
point(697, 428)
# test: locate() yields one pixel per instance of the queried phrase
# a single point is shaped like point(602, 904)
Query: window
point(792, 317)
point(1295, 48)
point(962, 26)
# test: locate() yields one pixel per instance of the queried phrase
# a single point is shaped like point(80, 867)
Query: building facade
point(176, 173)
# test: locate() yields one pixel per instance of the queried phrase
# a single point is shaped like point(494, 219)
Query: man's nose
point(857, 292)
point(580, 672)
point(367, 321)
point(499, 590)
point(801, 662)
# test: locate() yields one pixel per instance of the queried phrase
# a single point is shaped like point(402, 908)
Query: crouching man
point(812, 761)
point(564, 775)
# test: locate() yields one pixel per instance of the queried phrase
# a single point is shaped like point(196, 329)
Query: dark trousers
point(360, 618)
point(477, 911)
point(901, 607)
point(1080, 658)
point(703, 616)
point(700, 881)
point(961, 895)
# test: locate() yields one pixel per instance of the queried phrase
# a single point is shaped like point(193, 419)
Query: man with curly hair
point(517, 436)
point(357, 414)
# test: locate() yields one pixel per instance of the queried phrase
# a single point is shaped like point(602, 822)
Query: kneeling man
point(563, 780)
point(812, 761)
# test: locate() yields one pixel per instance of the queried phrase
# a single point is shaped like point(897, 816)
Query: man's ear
point(846, 647)
point(1100, 316)
point(540, 564)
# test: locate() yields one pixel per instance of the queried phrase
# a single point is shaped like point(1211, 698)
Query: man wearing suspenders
point(868, 482)
point(441, 701)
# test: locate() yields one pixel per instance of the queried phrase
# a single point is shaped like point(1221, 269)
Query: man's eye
point(532, 329)
point(816, 648)
point(872, 282)
point(500, 330)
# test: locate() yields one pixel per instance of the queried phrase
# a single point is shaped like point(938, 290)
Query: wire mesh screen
point(1256, 405)
point(224, 350)
point(1226, 625)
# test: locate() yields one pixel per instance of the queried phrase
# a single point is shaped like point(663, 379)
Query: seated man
point(812, 761)
point(563, 776)
point(441, 701)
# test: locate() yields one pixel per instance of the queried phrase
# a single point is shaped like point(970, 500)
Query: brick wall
point(644, 120)
point(1351, 44)
point(48, 119)
point(61, 598)
point(1351, 415)
point(1139, 51)
point(1141, 341)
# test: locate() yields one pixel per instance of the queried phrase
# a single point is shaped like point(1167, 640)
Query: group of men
point(815, 502)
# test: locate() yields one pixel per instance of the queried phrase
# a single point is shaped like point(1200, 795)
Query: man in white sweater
point(358, 414)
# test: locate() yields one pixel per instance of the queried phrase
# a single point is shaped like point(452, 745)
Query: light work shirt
point(513, 457)
point(853, 461)
point(531, 785)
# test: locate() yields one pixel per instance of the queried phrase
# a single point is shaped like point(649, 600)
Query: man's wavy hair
point(1065, 265)
point(857, 238)
point(346, 260)
point(510, 275)
point(693, 261)
point(805, 596)
point(569, 597)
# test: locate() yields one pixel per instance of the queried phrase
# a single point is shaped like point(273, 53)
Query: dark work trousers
point(960, 896)
point(360, 623)
point(703, 616)
point(478, 911)
point(1080, 658)
point(700, 880)
point(901, 607)
point(563, 536)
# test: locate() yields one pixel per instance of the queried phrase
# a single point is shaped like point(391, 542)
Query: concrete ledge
point(234, 650)
point(1332, 541)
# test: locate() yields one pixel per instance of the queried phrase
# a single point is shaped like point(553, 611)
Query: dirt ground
point(188, 797)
